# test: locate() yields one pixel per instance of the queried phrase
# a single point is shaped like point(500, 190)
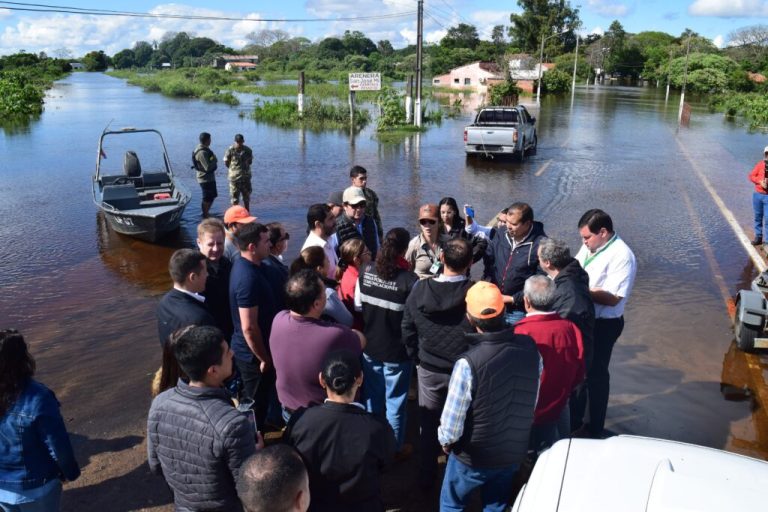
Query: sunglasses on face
point(427, 222)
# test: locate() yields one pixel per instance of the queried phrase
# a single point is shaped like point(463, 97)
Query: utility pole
point(419, 62)
point(685, 80)
point(575, 61)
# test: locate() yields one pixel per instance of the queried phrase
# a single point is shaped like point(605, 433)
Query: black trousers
point(595, 390)
point(257, 386)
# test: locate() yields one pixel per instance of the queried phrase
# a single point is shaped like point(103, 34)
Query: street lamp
point(541, 60)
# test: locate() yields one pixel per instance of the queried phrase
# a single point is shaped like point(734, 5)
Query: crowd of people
point(327, 348)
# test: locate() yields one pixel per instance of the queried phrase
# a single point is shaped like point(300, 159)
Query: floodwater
point(84, 296)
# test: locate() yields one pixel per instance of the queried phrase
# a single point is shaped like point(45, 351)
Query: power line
point(457, 12)
point(439, 22)
point(130, 14)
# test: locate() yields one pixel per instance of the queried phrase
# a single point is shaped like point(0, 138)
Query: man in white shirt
point(321, 225)
point(611, 267)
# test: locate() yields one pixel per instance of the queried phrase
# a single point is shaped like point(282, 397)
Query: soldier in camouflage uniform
point(358, 175)
point(238, 159)
point(205, 163)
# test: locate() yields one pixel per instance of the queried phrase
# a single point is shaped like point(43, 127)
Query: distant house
point(77, 65)
point(221, 61)
point(477, 75)
point(756, 77)
point(525, 70)
point(165, 65)
point(239, 66)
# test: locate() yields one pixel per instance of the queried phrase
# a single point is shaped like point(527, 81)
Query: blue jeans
point(759, 205)
point(45, 503)
point(460, 480)
point(385, 388)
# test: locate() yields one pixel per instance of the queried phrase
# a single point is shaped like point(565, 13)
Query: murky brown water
point(85, 297)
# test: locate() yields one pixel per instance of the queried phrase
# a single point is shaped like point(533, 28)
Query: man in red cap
point(234, 217)
point(486, 422)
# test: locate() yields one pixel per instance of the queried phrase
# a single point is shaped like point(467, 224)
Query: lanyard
point(589, 259)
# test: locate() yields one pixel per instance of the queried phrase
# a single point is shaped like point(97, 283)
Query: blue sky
point(79, 33)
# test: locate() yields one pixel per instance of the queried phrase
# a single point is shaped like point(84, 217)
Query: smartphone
point(246, 407)
point(470, 211)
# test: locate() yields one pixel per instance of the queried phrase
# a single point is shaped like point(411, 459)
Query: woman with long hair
point(354, 255)
point(453, 225)
point(423, 253)
point(314, 258)
point(381, 292)
point(35, 451)
point(344, 447)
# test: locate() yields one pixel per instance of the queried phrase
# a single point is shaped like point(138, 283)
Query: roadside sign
point(365, 81)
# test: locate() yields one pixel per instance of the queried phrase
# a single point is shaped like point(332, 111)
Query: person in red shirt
point(562, 352)
point(759, 196)
point(354, 256)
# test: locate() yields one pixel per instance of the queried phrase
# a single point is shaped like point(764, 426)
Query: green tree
point(461, 36)
point(542, 18)
point(385, 48)
point(707, 72)
point(356, 43)
point(142, 52)
point(124, 59)
point(95, 61)
point(555, 81)
point(331, 48)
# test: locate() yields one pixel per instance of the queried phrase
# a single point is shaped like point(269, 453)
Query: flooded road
point(84, 297)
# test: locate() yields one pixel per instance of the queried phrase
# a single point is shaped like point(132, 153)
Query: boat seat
point(159, 202)
point(156, 179)
point(122, 197)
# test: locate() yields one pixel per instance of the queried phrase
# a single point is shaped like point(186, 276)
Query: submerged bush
point(317, 115)
point(752, 106)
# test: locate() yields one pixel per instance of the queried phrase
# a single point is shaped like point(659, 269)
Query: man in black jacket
point(184, 304)
point(195, 437)
point(513, 255)
point(434, 328)
point(485, 425)
point(573, 302)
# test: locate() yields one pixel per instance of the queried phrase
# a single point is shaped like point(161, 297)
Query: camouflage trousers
point(240, 187)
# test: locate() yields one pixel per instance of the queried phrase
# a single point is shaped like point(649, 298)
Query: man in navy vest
point(354, 223)
point(486, 422)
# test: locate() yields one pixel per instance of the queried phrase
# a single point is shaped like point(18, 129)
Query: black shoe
point(757, 241)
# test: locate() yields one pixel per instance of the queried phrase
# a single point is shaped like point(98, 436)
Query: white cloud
point(486, 20)
point(729, 8)
point(83, 33)
point(608, 8)
point(599, 31)
point(719, 41)
point(5, 13)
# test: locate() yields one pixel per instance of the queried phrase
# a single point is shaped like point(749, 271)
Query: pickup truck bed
point(501, 130)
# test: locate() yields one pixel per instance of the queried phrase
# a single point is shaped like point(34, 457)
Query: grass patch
point(205, 83)
point(317, 115)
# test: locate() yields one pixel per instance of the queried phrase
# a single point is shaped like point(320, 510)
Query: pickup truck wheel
point(521, 157)
point(745, 334)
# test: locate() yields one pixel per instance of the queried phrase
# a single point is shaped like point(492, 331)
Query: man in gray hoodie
point(434, 328)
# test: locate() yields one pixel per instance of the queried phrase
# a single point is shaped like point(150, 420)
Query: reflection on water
point(137, 262)
point(17, 125)
point(743, 380)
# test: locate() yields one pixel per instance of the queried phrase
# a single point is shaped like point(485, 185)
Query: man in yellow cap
point(486, 422)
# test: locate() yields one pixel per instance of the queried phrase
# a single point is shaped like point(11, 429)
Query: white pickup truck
point(501, 131)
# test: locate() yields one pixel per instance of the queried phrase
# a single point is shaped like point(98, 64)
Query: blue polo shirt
point(248, 288)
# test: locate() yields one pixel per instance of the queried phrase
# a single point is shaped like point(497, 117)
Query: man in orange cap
point(234, 217)
point(486, 422)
